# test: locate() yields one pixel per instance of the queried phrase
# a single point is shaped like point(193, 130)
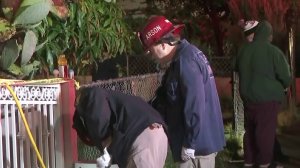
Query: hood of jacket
point(263, 32)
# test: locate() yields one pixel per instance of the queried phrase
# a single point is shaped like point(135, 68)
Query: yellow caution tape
point(40, 82)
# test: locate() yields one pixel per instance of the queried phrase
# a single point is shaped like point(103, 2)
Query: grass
point(225, 157)
point(222, 161)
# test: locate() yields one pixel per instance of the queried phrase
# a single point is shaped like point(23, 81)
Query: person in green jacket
point(263, 77)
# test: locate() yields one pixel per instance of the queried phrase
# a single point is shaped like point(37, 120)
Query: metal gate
point(40, 104)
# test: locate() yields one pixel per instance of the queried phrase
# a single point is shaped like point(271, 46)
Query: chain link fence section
point(221, 66)
point(238, 106)
point(143, 86)
point(140, 64)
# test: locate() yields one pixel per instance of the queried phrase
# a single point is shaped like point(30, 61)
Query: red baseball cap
point(155, 29)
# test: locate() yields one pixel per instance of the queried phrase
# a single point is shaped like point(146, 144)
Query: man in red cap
point(187, 98)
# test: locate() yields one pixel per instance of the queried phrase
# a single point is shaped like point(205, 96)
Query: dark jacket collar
point(180, 46)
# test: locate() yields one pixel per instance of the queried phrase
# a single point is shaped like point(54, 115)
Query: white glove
point(187, 154)
point(104, 160)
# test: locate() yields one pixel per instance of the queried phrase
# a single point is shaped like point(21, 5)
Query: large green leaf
point(9, 54)
point(29, 45)
point(32, 14)
point(31, 2)
point(32, 26)
point(49, 59)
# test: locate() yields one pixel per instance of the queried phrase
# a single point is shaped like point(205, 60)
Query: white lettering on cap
point(153, 31)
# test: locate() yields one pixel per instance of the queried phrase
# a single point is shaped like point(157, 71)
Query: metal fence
point(40, 107)
point(238, 107)
point(138, 65)
point(221, 66)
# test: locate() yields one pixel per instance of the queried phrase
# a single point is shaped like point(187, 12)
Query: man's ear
point(163, 46)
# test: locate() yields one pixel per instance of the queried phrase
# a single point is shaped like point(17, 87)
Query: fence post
point(70, 136)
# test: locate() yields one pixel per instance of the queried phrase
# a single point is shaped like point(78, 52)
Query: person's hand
point(104, 160)
point(107, 141)
point(187, 154)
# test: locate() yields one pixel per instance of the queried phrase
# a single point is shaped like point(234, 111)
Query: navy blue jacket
point(189, 103)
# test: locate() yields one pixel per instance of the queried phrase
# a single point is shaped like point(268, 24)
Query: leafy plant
point(94, 31)
point(17, 38)
point(234, 143)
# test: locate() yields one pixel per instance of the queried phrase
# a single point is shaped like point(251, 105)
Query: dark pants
point(260, 131)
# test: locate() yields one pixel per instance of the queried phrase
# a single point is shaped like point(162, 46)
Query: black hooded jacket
point(104, 112)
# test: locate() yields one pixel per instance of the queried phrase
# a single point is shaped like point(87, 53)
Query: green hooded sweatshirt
point(263, 69)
